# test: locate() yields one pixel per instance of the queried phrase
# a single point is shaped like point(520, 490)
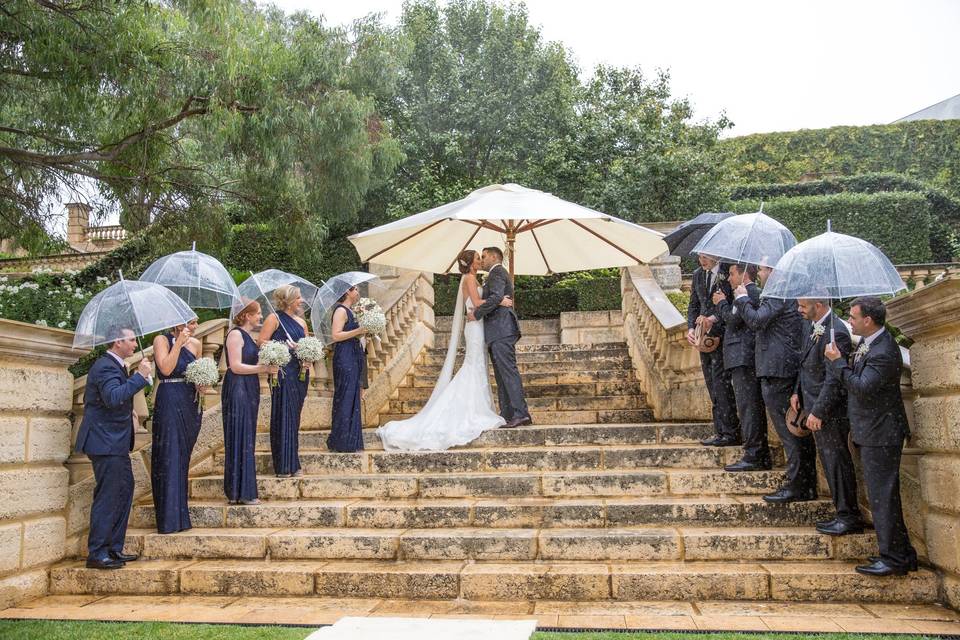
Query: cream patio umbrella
point(541, 234)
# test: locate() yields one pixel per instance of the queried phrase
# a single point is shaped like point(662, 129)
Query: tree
point(214, 110)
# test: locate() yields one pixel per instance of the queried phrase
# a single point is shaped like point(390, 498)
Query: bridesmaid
point(176, 425)
point(346, 433)
point(240, 398)
point(288, 396)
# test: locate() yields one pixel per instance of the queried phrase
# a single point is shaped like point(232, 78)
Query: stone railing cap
point(933, 308)
point(647, 286)
point(41, 344)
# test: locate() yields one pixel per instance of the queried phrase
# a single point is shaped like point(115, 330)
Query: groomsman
point(820, 393)
point(106, 436)
point(879, 426)
point(708, 278)
point(777, 325)
point(739, 361)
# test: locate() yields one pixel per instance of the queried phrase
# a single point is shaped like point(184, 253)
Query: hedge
point(598, 294)
point(898, 223)
point(928, 150)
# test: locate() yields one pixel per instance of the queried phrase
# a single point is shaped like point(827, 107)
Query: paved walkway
point(684, 616)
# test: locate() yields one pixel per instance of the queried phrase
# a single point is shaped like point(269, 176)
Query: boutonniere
point(818, 330)
point(861, 351)
point(721, 277)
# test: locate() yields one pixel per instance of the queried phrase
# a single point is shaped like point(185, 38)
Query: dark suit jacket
point(874, 403)
point(820, 390)
point(107, 426)
point(701, 300)
point(498, 322)
point(777, 326)
point(738, 339)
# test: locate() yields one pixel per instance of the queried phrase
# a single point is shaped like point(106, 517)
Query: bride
point(461, 406)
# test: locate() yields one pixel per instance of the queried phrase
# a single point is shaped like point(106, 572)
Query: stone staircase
point(593, 502)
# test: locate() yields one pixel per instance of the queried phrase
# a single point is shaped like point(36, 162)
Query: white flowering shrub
point(46, 299)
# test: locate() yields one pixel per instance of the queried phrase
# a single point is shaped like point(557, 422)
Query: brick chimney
point(78, 222)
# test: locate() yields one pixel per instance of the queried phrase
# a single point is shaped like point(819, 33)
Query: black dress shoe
point(914, 565)
point(837, 528)
point(517, 422)
point(721, 441)
point(880, 568)
point(825, 523)
point(785, 495)
point(124, 557)
point(104, 563)
point(746, 465)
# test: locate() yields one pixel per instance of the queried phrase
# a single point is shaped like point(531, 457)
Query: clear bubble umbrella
point(260, 287)
point(129, 305)
point(754, 238)
point(199, 279)
point(333, 289)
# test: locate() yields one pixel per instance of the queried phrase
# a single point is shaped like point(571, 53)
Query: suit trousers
point(801, 453)
point(503, 353)
point(753, 417)
point(722, 399)
point(881, 473)
point(838, 467)
point(112, 499)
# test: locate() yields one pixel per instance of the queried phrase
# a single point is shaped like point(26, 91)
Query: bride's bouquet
point(274, 353)
point(308, 350)
point(370, 316)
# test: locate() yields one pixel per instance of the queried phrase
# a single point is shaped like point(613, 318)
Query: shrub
point(255, 247)
point(680, 299)
point(46, 299)
point(598, 294)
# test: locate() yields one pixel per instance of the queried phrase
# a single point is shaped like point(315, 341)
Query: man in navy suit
point(106, 436)
point(879, 426)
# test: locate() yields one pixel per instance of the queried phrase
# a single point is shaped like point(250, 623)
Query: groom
point(501, 331)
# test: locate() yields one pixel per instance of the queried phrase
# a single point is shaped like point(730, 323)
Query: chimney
point(78, 221)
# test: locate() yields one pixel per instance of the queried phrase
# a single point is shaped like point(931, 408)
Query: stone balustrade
point(655, 332)
point(109, 232)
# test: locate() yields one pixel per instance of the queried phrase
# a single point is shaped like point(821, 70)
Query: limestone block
point(141, 475)
point(49, 440)
point(402, 515)
point(21, 587)
point(536, 581)
point(32, 490)
point(10, 539)
point(486, 485)
point(286, 515)
point(421, 580)
point(358, 487)
point(695, 580)
point(347, 544)
point(468, 544)
point(211, 434)
point(937, 423)
point(316, 413)
point(143, 577)
point(940, 481)
point(936, 363)
point(78, 506)
point(44, 541)
point(951, 590)
point(198, 543)
point(793, 582)
point(943, 540)
point(32, 388)
point(609, 544)
point(13, 433)
point(754, 544)
point(548, 513)
point(578, 319)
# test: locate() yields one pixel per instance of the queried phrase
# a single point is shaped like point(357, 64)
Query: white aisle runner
point(425, 629)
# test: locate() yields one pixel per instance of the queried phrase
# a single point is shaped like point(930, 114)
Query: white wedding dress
point(460, 407)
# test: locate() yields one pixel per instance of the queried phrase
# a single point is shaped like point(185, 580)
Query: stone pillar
point(666, 271)
point(78, 223)
point(931, 317)
point(36, 395)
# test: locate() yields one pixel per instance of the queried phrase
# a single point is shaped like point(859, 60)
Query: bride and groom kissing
point(461, 407)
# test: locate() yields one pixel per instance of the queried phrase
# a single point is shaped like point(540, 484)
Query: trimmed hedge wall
point(898, 223)
point(599, 294)
point(928, 150)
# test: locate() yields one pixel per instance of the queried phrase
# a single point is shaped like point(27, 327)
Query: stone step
point(499, 581)
point(622, 365)
point(583, 355)
point(540, 435)
point(424, 376)
point(542, 404)
point(503, 459)
point(565, 417)
point(545, 390)
point(510, 513)
point(547, 348)
point(626, 543)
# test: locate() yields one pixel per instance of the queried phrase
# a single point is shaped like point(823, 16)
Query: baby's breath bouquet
point(370, 316)
point(274, 353)
point(308, 350)
point(202, 372)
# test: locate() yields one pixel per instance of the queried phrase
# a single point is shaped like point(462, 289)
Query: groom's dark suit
point(501, 331)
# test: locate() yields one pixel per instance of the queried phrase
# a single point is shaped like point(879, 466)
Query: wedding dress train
point(460, 407)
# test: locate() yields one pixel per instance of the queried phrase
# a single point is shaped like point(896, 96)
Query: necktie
point(709, 280)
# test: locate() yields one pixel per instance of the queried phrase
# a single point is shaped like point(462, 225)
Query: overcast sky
point(771, 65)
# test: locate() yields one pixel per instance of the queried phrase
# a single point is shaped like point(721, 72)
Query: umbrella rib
point(542, 254)
point(620, 249)
point(462, 249)
point(399, 242)
point(486, 225)
point(535, 225)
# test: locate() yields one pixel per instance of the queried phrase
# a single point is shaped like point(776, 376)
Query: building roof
point(948, 109)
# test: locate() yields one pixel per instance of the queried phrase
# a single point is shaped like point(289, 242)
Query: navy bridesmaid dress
point(287, 402)
point(346, 432)
point(240, 398)
point(176, 425)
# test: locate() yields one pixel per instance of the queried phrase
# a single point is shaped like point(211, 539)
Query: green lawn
point(56, 630)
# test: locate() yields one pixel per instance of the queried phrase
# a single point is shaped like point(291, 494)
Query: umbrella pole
point(511, 239)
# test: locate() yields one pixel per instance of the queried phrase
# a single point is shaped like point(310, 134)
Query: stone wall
point(591, 327)
point(931, 470)
point(36, 395)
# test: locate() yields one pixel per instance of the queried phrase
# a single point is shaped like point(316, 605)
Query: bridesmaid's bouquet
point(202, 372)
point(275, 354)
point(370, 316)
point(308, 350)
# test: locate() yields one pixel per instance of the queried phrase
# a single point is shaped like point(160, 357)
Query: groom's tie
point(709, 281)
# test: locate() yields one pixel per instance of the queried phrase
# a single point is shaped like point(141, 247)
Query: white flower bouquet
point(370, 316)
point(202, 372)
point(276, 354)
point(308, 350)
